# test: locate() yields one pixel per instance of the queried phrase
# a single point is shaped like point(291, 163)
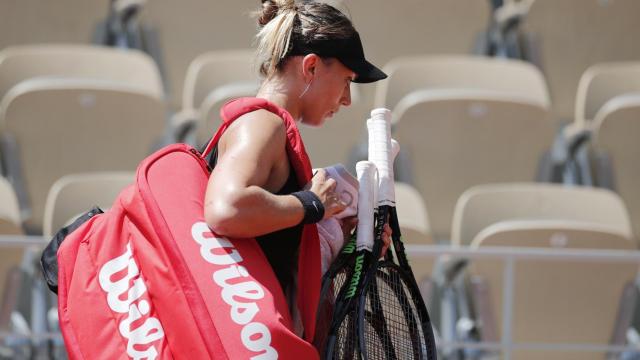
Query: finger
point(320, 174)
point(331, 184)
point(351, 221)
point(337, 207)
point(385, 247)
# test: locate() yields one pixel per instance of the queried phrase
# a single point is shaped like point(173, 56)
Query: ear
point(310, 66)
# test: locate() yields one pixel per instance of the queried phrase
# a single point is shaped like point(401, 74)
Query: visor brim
point(365, 71)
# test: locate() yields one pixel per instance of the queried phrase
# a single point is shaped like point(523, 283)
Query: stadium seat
point(414, 226)
point(616, 150)
point(459, 138)
point(518, 79)
point(575, 34)
point(10, 218)
point(73, 195)
point(598, 85)
point(483, 205)
point(61, 127)
point(212, 79)
point(602, 82)
point(131, 67)
point(553, 299)
point(412, 215)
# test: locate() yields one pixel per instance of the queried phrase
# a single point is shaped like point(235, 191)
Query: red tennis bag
point(149, 280)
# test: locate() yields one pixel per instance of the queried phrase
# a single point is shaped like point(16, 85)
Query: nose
point(346, 96)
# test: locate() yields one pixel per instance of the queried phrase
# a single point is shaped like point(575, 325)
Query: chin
point(314, 122)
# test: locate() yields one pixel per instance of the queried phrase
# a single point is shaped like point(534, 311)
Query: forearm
point(252, 211)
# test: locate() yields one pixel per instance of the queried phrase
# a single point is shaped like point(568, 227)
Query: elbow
point(222, 218)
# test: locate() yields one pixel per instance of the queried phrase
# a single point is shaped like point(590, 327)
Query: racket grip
point(379, 129)
point(366, 172)
point(391, 190)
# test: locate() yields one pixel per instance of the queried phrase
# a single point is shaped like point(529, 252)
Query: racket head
point(391, 323)
point(332, 283)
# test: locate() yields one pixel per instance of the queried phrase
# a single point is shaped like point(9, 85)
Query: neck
point(277, 91)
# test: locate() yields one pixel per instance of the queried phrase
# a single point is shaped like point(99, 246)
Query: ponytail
point(275, 36)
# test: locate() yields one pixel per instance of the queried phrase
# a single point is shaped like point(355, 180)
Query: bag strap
point(234, 109)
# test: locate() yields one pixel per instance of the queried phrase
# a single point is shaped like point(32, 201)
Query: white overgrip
point(391, 191)
point(366, 173)
point(379, 129)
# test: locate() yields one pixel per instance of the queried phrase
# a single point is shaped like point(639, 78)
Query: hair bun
point(269, 11)
point(271, 8)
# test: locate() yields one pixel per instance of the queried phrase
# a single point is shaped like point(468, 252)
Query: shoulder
point(260, 127)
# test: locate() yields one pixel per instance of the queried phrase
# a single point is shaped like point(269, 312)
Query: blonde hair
point(284, 23)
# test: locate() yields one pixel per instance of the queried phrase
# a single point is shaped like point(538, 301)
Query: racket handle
point(380, 153)
point(366, 172)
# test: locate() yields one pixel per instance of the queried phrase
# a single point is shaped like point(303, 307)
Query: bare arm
point(238, 200)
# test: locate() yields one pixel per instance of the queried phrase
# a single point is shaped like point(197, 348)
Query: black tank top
point(280, 247)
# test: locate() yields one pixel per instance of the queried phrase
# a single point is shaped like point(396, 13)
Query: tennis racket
point(392, 320)
point(347, 272)
point(332, 281)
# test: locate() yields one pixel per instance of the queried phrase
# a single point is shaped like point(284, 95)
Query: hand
point(348, 224)
point(386, 239)
point(324, 187)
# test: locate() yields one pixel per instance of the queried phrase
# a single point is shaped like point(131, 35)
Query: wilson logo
point(357, 272)
point(239, 294)
point(350, 247)
point(125, 299)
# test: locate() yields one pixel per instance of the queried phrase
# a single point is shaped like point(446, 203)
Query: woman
point(309, 53)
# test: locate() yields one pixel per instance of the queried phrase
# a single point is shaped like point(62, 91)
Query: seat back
point(131, 67)
point(214, 69)
point(616, 129)
point(414, 225)
point(10, 218)
point(457, 139)
point(572, 35)
point(78, 193)
point(73, 126)
point(516, 78)
point(552, 299)
point(212, 79)
point(412, 214)
point(602, 82)
point(483, 205)
point(10, 257)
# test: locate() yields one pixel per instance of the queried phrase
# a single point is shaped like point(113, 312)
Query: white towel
point(329, 230)
point(331, 241)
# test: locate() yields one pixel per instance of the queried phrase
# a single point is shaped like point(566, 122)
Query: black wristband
point(313, 208)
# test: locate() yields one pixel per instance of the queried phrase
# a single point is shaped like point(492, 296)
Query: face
point(329, 89)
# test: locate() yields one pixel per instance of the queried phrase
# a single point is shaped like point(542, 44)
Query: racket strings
point(346, 346)
point(392, 328)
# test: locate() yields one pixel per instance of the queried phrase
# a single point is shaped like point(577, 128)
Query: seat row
point(461, 120)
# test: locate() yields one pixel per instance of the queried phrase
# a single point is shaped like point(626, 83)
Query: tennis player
point(309, 53)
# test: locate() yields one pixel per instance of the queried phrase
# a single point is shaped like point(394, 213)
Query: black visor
point(350, 53)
